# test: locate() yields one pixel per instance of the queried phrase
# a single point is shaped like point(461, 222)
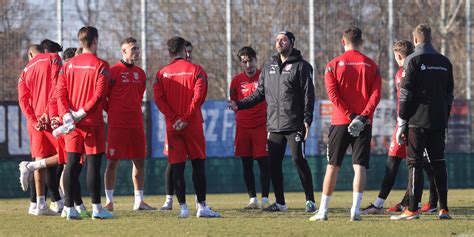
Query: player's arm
point(24, 97)
point(256, 97)
point(407, 88)
point(56, 65)
point(332, 91)
point(450, 89)
point(198, 95)
point(160, 100)
point(375, 93)
point(307, 89)
point(233, 90)
point(101, 83)
point(62, 94)
point(108, 90)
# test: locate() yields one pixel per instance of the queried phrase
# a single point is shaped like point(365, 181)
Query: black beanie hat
point(290, 36)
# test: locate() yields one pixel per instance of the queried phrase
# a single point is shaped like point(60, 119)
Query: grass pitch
point(238, 222)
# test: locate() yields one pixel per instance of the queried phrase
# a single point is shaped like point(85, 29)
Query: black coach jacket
point(426, 89)
point(289, 93)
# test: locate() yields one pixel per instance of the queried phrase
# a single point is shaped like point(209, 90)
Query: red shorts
point(395, 149)
point(42, 143)
point(88, 140)
point(62, 157)
point(126, 143)
point(251, 142)
point(186, 144)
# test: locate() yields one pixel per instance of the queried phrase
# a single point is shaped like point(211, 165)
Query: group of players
point(63, 105)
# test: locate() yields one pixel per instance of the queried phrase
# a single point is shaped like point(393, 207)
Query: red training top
point(179, 91)
point(56, 68)
point(241, 87)
point(35, 87)
point(353, 84)
point(124, 96)
point(82, 84)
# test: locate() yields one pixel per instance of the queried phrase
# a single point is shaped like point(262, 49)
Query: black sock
point(391, 169)
point(199, 179)
point(94, 163)
point(264, 175)
point(70, 176)
point(169, 180)
point(178, 181)
point(77, 193)
point(52, 183)
point(249, 177)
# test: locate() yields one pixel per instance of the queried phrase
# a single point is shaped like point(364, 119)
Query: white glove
point(67, 118)
point(78, 115)
point(402, 127)
point(357, 125)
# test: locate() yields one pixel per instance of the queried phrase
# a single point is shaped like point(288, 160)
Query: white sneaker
point(167, 206)
point(71, 214)
point(57, 206)
point(101, 214)
point(206, 212)
point(252, 205)
point(24, 175)
point(356, 217)
point(45, 212)
point(32, 208)
point(319, 217)
point(184, 212)
point(143, 206)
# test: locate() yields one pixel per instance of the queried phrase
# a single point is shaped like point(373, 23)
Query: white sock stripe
point(327, 152)
point(303, 150)
point(425, 153)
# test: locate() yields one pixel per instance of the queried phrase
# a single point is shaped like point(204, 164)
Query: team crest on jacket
point(135, 75)
point(288, 67)
point(423, 67)
point(112, 152)
point(341, 63)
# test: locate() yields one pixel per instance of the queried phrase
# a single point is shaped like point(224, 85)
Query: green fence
point(224, 175)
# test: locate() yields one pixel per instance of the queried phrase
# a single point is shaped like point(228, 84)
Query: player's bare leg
point(109, 181)
point(138, 178)
point(358, 186)
point(329, 185)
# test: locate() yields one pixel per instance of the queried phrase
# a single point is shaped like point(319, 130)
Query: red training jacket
point(353, 84)
point(179, 91)
point(35, 87)
point(124, 96)
point(82, 84)
point(241, 87)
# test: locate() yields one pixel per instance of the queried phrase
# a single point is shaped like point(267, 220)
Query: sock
point(169, 198)
point(32, 205)
point(35, 165)
point(81, 207)
point(379, 202)
point(323, 206)
point(96, 207)
point(138, 197)
point(183, 206)
point(356, 200)
point(264, 199)
point(60, 203)
point(201, 205)
point(41, 202)
point(109, 196)
point(254, 200)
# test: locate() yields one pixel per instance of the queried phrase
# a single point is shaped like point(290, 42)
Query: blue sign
point(219, 131)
